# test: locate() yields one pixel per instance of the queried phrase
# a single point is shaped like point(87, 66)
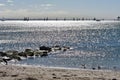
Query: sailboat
point(3, 19)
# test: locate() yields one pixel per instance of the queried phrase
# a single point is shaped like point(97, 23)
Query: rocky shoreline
point(15, 72)
point(41, 52)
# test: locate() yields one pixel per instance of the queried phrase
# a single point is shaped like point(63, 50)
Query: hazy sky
point(60, 8)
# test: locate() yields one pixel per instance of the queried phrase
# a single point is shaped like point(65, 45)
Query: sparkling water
point(93, 43)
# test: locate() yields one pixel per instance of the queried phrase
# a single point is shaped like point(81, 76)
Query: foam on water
point(8, 41)
point(42, 66)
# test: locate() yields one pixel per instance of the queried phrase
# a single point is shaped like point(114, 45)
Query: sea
point(92, 43)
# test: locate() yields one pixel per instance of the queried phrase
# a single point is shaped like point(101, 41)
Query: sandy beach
point(12, 72)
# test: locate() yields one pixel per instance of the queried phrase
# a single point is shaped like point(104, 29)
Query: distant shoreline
point(62, 20)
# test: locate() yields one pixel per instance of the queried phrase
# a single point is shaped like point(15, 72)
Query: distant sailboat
point(118, 18)
point(26, 18)
point(3, 19)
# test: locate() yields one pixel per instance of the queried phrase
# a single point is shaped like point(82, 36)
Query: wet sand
point(12, 72)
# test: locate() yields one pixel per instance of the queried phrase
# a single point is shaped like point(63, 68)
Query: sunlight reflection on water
point(93, 43)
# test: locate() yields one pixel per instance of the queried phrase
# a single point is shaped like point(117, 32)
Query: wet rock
point(3, 60)
point(41, 53)
point(17, 57)
point(2, 54)
point(44, 54)
point(65, 48)
point(56, 48)
point(11, 52)
point(60, 48)
point(22, 54)
point(45, 48)
point(29, 52)
point(38, 52)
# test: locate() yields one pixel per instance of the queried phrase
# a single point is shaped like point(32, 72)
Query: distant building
point(118, 18)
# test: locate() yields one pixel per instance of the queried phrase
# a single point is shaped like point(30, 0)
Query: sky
point(108, 9)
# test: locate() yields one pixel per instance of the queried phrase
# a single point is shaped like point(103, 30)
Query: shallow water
point(94, 43)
